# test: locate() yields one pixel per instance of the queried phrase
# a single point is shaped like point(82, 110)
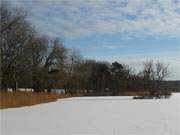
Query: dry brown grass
point(133, 93)
point(19, 99)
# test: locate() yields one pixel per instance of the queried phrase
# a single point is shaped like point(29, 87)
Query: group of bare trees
point(103, 78)
point(153, 74)
point(155, 71)
point(30, 60)
point(27, 58)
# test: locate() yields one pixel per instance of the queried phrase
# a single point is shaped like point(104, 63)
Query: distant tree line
point(31, 60)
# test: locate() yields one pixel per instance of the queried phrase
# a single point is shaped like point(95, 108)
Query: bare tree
point(55, 65)
point(14, 35)
point(73, 62)
point(153, 75)
point(149, 76)
point(128, 71)
point(148, 71)
point(36, 53)
point(73, 59)
point(9, 17)
point(161, 71)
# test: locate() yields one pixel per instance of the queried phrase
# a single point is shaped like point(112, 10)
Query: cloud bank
point(79, 18)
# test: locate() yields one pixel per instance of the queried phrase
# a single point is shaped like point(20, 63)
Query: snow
point(95, 116)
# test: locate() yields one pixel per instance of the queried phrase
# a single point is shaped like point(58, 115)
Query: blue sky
point(128, 31)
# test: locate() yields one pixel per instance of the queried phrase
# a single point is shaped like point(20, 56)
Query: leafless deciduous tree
point(10, 16)
point(148, 71)
point(161, 71)
point(14, 35)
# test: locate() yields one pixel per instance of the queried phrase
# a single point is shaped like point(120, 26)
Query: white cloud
point(105, 47)
point(77, 18)
point(80, 18)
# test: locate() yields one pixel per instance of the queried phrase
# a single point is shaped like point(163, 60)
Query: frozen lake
point(95, 116)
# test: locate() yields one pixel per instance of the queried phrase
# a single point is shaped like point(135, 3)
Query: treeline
point(31, 60)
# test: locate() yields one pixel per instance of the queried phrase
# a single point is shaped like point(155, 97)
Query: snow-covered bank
point(95, 116)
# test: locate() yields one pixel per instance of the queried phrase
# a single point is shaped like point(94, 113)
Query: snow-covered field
point(95, 116)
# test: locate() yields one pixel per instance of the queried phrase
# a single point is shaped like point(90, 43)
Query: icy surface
point(95, 116)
